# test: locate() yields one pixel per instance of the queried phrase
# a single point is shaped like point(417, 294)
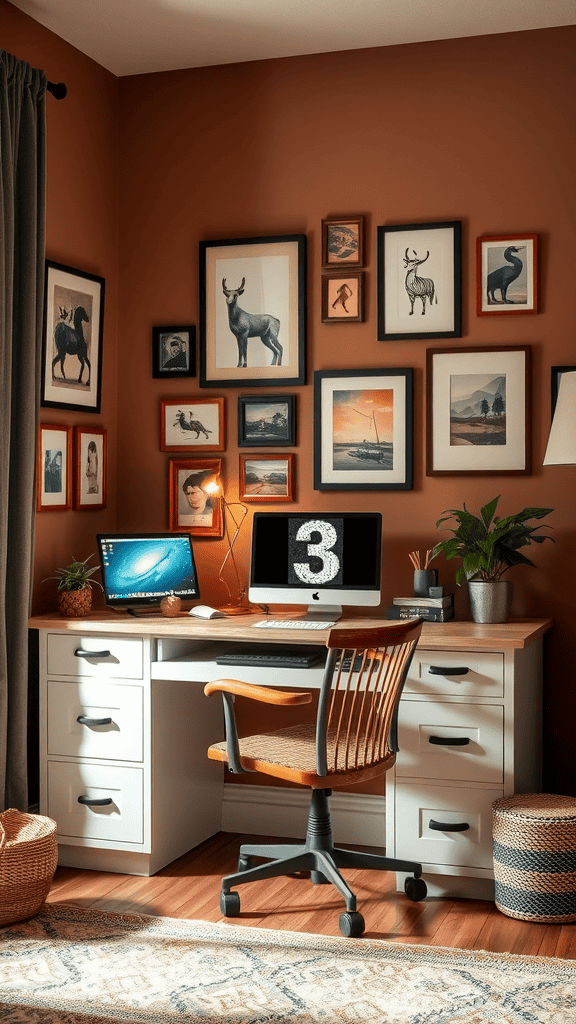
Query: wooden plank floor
point(190, 887)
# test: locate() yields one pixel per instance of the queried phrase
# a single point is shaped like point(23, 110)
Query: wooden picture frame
point(192, 424)
point(90, 468)
point(72, 339)
point(555, 375)
point(53, 468)
point(186, 515)
point(363, 431)
point(478, 411)
point(266, 421)
point(342, 242)
point(506, 275)
point(174, 352)
point(253, 312)
point(413, 304)
point(266, 477)
point(343, 298)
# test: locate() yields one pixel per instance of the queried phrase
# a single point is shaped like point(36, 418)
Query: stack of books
point(433, 609)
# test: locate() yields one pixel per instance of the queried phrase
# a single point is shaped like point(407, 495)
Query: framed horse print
point(190, 425)
point(72, 339)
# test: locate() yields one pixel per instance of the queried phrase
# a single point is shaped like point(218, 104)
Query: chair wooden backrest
point(356, 726)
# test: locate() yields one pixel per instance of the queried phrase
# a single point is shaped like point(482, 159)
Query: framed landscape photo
point(267, 478)
point(194, 502)
point(54, 468)
point(343, 242)
point(90, 467)
point(363, 430)
point(506, 275)
point(72, 339)
point(253, 312)
point(173, 352)
point(266, 421)
point(189, 425)
point(420, 281)
point(477, 411)
point(342, 298)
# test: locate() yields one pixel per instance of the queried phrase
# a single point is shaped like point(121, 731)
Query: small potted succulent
point(75, 588)
point(488, 547)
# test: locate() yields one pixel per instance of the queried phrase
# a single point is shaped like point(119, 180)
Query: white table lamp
point(561, 450)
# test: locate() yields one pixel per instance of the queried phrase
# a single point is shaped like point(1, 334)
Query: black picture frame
point(174, 352)
point(555, 375)
point(353, 449)
point(270, 272)
point(72, 339)
point(266, 421)
point(433, 309)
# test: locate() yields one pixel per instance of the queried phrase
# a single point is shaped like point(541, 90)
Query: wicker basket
point(535, 857)
point(28, 857)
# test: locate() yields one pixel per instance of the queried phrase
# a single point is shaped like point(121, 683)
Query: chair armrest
point(265, 694)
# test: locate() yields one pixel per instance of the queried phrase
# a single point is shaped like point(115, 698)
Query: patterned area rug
point(71, 966)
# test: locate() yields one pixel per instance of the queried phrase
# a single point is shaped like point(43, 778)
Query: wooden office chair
point(354, 738)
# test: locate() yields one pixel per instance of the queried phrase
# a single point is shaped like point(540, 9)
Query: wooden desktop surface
point(454, 635)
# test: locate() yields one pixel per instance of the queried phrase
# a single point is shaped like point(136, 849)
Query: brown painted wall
point(479, 130)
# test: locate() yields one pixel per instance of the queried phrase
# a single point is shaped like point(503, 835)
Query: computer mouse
point(203, 611)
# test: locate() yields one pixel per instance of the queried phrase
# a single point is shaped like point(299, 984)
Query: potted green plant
point(488, 547)
point(75, 587)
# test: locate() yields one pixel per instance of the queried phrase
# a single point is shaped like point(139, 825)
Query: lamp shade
point(561, 450)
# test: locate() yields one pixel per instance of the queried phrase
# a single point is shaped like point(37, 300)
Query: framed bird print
point(192, 424)
point(506, 275)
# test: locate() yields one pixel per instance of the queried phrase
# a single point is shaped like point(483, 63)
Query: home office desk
point(124, 728)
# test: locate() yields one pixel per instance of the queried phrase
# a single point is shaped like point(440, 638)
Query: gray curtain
point(22, 209)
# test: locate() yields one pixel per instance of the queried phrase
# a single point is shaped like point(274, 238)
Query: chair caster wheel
point(229, 904)
point(245, 863)
point(415, 889)
point(351, 924)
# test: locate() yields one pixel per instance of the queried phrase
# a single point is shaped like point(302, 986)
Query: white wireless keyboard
point(294, 624)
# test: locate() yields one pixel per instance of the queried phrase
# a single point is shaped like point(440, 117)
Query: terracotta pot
point(75, 603)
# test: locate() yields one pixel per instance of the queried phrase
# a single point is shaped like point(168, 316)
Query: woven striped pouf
point(535, 856)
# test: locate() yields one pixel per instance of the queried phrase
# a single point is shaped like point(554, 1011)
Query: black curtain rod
point(58, 90)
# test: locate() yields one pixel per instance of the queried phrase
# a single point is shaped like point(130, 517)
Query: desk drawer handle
point(83, 720)
point(79, 653)
point(448, 826)
point(449, 741)
point(104, 801)
point(440, 670)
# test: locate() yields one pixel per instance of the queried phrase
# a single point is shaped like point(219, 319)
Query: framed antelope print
point(192, 424)
point(54, 468)
point(90, 469)
point(72, 339)
point(506, 275)
point(253, 312)
point(420, 281)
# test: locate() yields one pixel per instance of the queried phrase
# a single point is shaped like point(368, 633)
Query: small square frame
point(264, 468)
point(351, 452)
point(53, 468)
point(342, 242)
point(192, 424)
point(90, 467)
point(433, 308)
point(343, 298)
point(473, 445)
point(72, 339)
point(176, 346)
point(266, 421)
point(182, 519)
point(494, 267)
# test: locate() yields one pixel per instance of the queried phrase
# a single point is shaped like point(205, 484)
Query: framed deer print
point(192, 424)
point(420, 281)
point(253, 312)
point(506, 275)
point(72, 339)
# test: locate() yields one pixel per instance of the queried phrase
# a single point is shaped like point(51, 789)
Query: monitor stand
point(323, 612)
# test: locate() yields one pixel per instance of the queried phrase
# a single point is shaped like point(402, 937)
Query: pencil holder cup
point(423, 580)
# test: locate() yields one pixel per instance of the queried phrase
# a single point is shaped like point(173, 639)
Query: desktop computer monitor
point(321, 560)
point(139, 569)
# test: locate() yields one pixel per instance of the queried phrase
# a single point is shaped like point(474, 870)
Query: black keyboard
point(273, 656)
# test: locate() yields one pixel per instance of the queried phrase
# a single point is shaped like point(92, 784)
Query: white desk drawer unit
point(101, 656)
point(96, 801)
point(96, 720)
